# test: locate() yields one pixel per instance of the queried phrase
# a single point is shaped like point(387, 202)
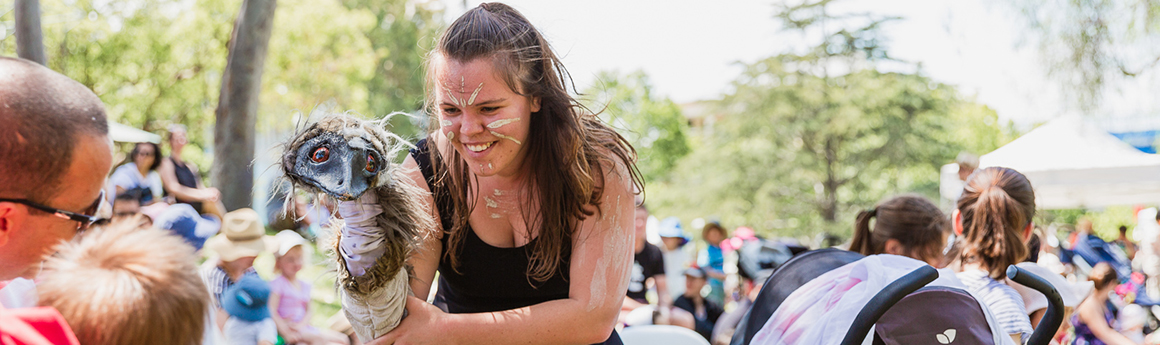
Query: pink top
point(292, 302)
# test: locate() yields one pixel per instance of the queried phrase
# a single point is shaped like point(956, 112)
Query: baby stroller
point(907, 311)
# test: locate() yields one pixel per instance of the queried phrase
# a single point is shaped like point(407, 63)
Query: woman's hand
point(423, 325)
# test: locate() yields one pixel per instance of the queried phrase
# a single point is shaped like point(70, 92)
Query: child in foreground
point(127, 285)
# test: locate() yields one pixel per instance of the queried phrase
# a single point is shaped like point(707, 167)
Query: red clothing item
point(34, 326)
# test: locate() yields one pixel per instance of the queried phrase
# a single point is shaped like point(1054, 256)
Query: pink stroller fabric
point(821, 311)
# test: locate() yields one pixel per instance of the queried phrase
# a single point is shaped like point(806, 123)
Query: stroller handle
point(1054, 316)
point(883, 300)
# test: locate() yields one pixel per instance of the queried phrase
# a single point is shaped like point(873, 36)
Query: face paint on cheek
point(500, 123)
point(501, 136)
point(495, 216)
point(445, 123)
point(450, 135)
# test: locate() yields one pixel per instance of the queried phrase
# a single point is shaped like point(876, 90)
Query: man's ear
point(957, 222)
point(10, 219)
point(535, 104)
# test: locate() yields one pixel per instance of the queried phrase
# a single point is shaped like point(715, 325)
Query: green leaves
point(156, 63)
point(805, 140)
point(654, 126)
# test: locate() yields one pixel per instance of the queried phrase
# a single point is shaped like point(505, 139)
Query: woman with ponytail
point(992, 220)
point(906, 225)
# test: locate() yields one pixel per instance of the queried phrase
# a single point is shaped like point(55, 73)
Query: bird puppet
point(346, 158)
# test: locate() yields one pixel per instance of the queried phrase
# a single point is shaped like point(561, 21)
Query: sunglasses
point(86, 219)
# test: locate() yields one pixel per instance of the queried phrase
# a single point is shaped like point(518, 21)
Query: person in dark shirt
point(648, 269)
point(181, 179)
point(704, 311)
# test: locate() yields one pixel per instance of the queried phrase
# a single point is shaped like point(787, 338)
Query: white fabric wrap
point(373, 315)
point(362, 238)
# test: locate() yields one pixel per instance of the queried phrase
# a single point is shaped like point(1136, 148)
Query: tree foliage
point(1088, 45)
point(806, 139)
point(401, 34)
point(653, 125)
point(156, 63)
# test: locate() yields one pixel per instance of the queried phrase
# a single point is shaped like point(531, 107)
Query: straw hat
point(242, 235)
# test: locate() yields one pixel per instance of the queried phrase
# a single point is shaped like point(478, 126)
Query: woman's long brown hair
point(996, 205)
point(569, 148)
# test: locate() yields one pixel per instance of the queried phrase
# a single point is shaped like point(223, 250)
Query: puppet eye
point(320, 155)
point(372, 164)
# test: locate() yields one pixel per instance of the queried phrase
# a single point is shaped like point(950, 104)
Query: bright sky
point(690, 48)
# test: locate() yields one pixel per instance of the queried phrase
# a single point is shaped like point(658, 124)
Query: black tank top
point(186, 177)
point(488, 278)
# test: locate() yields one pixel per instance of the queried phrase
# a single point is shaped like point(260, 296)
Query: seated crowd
point(136, 280)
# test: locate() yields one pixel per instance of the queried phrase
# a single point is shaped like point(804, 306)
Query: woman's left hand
point(421, 326)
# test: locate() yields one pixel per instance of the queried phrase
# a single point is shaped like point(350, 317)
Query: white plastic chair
point(661, 335)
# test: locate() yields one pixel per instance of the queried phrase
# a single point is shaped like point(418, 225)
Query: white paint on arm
point(610, 280)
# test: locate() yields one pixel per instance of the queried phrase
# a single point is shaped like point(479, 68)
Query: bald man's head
point(43, 117)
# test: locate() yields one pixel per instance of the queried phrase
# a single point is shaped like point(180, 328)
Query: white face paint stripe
point(450, 135)
point(490, 202)
point(471, 101)
point(495, 216)
point(503, 122)
point(501, 136)
point(445, 123)
point(454, 100)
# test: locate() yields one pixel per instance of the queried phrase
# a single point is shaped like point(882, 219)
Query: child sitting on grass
point(290, 296)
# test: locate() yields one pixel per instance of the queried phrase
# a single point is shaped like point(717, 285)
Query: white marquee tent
point(1075, 165)
point(124, 133)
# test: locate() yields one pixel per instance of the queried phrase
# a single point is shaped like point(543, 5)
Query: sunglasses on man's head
point(86, 219)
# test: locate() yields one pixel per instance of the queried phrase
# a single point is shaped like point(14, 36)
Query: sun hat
point(671, 227)
point(288, 239)
point(247, 298)
point(242, 235)
point(184, 221)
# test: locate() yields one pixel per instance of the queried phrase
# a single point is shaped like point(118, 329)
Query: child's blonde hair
point(127, 285)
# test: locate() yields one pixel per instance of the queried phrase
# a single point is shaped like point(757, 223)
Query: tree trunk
point(29, 41)
point(234, 131)
point(831, 184)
